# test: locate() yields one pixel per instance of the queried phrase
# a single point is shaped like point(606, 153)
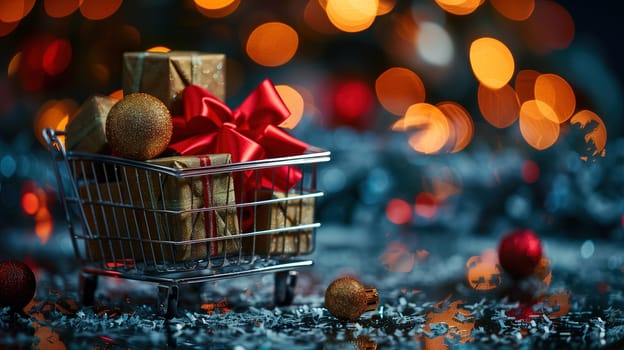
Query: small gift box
point(156, 218)
point(165, 74)
point(86, 129)
point(285, 217)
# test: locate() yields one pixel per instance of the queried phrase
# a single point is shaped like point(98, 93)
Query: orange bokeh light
point(14, 64)
point(491, 61)
point(500, 107)
point(294, 101)
point(385, 6)
point(352, 15)
point(14, 10)
point(53, 114)
point(557, 93)
point(525, 84)
point(459, 7)
point(62, 124)
point(34, 202)
point(98, 9)
point(60, 8)
point(272, 44)
point(398, 211)
point(158, 49)
point(516, 10)
point(315, 16)
point(434, 127)
point(213, 4)
point(6, 28)
point(213, 11)
point(550, 27)
point(598, 135)
point(43, 224)
point(432, 138)
point(56, 57)
point(398, 88)
point(398, 258)
point(461, 125)
point(538, 124)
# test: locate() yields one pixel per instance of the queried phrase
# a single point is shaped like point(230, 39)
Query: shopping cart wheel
point(88, 285)
point(285, 282)
point(168, 300)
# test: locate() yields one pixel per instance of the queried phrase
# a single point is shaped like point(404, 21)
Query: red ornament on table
point(520, 252)
point(17, 284)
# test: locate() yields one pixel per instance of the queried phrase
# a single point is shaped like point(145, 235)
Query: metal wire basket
point(180, 220)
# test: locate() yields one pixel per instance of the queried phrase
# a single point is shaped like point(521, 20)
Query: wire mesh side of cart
point(145, 217)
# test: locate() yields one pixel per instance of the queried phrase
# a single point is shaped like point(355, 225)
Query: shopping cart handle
point(51, 138)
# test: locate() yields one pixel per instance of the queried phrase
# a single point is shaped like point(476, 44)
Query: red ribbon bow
point(250, 132)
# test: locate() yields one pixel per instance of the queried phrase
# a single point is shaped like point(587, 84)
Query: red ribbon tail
point(280, 179)
point(210, 220)
point(278, 143)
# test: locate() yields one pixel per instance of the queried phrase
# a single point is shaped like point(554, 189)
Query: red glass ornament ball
point(17, 284)
point(519, 253)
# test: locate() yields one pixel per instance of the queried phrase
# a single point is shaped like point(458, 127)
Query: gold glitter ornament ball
point(347, 298)
point(139, 127)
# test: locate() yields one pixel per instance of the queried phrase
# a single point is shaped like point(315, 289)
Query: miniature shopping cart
point(172, 223)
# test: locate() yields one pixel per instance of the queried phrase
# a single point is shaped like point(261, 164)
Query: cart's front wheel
point(285, 283)
point(87, 288)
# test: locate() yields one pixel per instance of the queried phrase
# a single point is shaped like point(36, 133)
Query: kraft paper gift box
point(129, 220)
point(284, 215)
point(165, 74)
point(86, 129)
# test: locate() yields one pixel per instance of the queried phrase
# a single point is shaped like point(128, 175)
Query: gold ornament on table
point(139, 127)
point(347, 298)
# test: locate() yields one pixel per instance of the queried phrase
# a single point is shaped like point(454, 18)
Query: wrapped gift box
point(86, 129)
point(284, 215)
point(155, 218)
point(165, 74)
